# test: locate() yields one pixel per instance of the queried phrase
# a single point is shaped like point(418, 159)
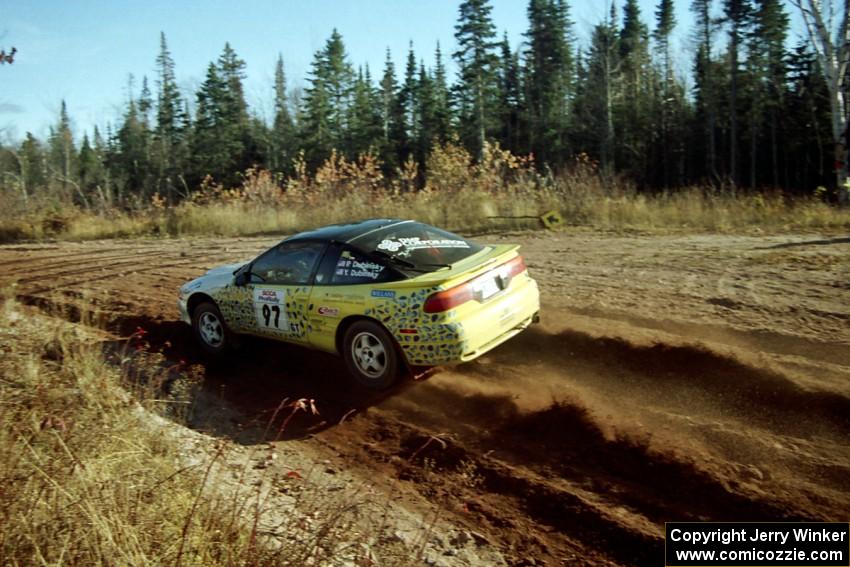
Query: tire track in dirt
point(755, 395)
point(762, 340)
point(101, 281)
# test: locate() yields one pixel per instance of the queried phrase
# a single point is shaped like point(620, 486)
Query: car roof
point(344, 232)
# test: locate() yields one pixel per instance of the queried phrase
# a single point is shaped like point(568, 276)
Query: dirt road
point(672, 378)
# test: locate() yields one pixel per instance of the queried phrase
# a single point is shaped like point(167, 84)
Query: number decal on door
point(270, 310)
point(267, 315)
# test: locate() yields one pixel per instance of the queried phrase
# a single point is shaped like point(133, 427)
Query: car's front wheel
point(209, 328)
point(370, 355)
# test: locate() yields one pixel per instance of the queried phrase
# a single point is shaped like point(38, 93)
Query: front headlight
point(184, 291)
point(187, 288)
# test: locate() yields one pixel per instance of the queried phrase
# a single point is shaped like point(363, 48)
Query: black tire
point(209, 329)
point(370, 355)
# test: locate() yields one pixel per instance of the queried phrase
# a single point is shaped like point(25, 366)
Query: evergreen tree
point(634, 109)
point(338, 76)
point(90, 169)
point(409, 100)
point(595, 101)
point(33, 166)
point(737, 14)
point(365, 121)
point(549, 75)
point(84, 160)
point(316, 128)
point(101, 152)
point(426, 113)
point(665, 23)
point(442, 102)
point(170, 151)
point(145, 103)
point(807, 156)
point(62, 151)
point(244, 130)
point(510, 98)
point(392, 118)
point(705, 84)
point(213, 152)
point(477, 88)
point(231, 70)
point(223, 144)
point(766, 67)
point(132, 157)
point(283, 142)
point(327, 101)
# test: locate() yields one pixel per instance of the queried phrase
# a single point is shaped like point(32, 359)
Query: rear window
point(420, 245)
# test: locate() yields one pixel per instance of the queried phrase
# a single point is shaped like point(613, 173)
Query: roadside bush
point(501, 191)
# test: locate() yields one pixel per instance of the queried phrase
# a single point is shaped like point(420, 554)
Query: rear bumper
point(494, 325)
point(471, 355)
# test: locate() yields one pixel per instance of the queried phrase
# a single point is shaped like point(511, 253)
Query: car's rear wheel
point(370, 355)
point(209, 327)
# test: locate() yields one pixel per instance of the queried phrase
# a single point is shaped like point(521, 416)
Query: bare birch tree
point(833, 54)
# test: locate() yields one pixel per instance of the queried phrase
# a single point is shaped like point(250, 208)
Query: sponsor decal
point(348, 267)
point(385, 293)
point(328, 311)
point(416, 243)
point(267, 296)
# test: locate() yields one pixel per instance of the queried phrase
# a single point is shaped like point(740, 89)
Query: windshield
point(417, 245)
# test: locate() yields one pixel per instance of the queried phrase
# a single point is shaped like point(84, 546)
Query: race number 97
point(267, 315)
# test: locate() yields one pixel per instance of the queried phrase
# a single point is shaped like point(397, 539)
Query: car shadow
point(261, 391)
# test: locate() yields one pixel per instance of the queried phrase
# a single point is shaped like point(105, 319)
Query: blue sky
point(83, 51)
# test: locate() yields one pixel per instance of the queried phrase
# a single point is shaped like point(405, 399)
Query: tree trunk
point(774, 155)
point(833, 56)
point(839, 130)
point(733, 109)
point(754, 133)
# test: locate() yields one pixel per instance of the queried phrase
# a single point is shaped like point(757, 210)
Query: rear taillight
point(458, 295)
point(512, 268)
point(449, 299)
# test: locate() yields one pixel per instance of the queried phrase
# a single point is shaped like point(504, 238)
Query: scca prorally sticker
point(328, 311)
point(270, 310)
point(416, 243)
point(384, 293)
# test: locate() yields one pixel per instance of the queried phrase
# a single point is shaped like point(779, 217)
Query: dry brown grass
point(86, 478)
point(457, 195)
point(91, 475)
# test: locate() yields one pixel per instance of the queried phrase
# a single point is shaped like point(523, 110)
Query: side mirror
point(241, 279)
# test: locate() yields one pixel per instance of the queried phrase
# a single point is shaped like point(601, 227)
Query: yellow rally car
point(384, 293)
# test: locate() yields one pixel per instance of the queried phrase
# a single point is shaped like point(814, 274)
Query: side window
point(287, 263)
point(354, 268)
point(345, 266)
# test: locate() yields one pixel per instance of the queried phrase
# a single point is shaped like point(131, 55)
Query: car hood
point(214, 278)
point(226, 269)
